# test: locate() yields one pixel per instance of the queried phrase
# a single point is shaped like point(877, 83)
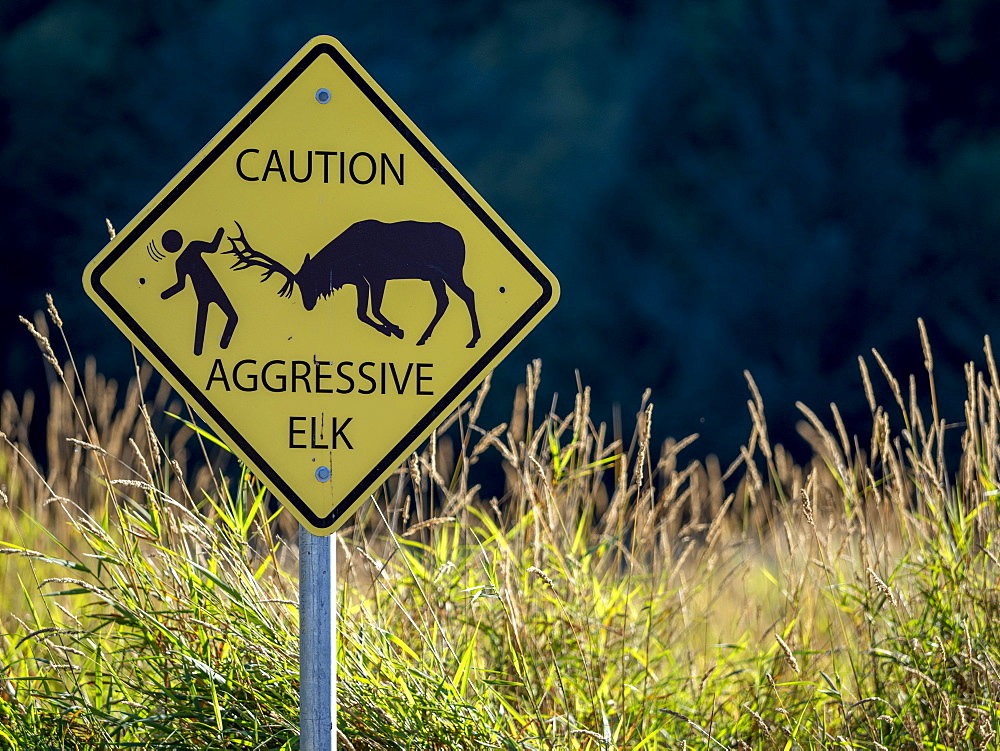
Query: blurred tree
point(66, 136)
point(720, 184)
point(948, 52)
point(768, 218)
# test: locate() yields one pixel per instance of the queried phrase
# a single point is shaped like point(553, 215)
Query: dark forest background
point(720, 185)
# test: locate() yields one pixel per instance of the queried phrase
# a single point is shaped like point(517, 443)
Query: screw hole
point(323, 96)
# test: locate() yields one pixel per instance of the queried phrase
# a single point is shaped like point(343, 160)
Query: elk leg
point(377, 290)
point(441, 295)
point(363, 289)
point(465, 293)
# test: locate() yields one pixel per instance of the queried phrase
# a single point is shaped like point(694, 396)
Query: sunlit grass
point(616, 596)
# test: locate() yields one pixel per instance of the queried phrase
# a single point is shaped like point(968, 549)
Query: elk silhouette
point(368, 254)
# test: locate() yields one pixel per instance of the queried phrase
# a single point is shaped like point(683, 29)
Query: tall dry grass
point(94, 431)
point(617, 595)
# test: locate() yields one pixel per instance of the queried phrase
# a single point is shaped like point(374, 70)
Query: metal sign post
point(317, 641)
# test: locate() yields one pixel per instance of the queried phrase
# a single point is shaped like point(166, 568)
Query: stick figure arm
point(174, 289)
point(216, 240)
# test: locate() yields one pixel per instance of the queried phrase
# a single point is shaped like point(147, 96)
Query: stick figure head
point(172, 241)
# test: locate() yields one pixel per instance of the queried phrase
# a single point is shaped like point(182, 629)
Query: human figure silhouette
point(191, 263)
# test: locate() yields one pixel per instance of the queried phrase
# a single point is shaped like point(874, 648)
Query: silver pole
point(317, 642)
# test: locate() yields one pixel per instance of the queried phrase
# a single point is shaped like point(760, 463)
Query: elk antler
point(248, 257)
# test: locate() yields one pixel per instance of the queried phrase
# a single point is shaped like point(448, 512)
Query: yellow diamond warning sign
point(321, 285)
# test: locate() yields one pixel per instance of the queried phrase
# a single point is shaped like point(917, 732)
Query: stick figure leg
point(231, 320)
point(199, 328)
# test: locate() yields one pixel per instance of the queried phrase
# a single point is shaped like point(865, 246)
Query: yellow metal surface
point(323, 186)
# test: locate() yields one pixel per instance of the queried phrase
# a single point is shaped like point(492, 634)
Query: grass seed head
point(46, 346)
point(882, 586)
point(786, 650)
point(807, 508)
point(53, 312)
point(759, 720)
point(435, 522)
point(543, 576)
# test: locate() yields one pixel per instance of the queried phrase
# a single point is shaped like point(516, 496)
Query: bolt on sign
point(321, 285)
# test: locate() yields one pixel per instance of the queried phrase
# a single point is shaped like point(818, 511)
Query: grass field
point(615, 596)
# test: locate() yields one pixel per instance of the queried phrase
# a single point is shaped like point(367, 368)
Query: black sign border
point(396, 454)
